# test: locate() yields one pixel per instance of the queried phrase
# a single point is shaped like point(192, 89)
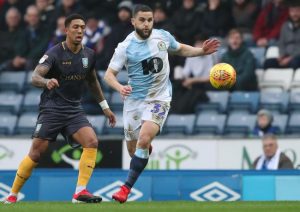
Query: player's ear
point(133, 21)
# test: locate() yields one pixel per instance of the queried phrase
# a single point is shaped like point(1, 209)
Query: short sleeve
point(173, 44)
point(117, 62)
point(48, 59)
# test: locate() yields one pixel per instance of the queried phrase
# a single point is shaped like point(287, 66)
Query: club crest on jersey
point(162, 46)
point(85, 62)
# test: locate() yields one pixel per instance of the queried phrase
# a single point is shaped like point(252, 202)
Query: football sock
point(86, 167)
point(137, 165)
point(23, 173)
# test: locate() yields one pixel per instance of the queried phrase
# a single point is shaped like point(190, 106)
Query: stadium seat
point(97, 123)
point(259, 75)
point(259, 54)
point(243, 101)
point(218, 101)
point(7, 123)
point(12, 81)
point(294, 103)
point(31, 101)
point(179, 124)
point(28, 80)
point(272, 52)
point(296, 80)
point(274, 101)
point(26, 123)
point(293, 126)
point(240, 124)
point(280, 122)
point(118, 129)
point(210, 124)
point(10, 102)
point(278, 78)
point(116, 102)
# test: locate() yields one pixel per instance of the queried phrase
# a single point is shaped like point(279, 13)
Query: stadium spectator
point(59, 33)
point(272, 158)
point(161, 20)
point(118, 33)
point(289, 42)
point(95, 33)
point(186, 22)
point(106, 9)
point(68, 7)
point(190, 90)
point(21, 5)
point(32, 42)
point(243, 61)
point(267, 26)
point(8, 37)
point(244, 14)
point(264, 123)
point(217, 19)
point(47, 13)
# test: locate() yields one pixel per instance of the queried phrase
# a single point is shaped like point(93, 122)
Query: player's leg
point(89, 142)
point(131, 147)
point(139, 160)
point(38, 147)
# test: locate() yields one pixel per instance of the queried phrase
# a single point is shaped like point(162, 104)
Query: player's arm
point(209, 46)
point(111, 79)
point(39, 80)
point(95, 88)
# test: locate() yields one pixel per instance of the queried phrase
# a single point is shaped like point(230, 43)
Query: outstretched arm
point(38, 79)
point(209, 46)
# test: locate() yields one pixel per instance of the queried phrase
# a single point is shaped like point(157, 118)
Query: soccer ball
point(222, 76)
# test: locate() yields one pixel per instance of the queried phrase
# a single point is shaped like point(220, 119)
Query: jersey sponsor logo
point(85, 62)
point(43, 59)
point(162, 46)
point(154, 65)
point(66, 62)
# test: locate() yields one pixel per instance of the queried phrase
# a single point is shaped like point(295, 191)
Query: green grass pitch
point(155, 206)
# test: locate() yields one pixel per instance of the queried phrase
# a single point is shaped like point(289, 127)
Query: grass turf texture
point(155, 206)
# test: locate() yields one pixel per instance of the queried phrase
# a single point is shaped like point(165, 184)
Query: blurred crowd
point(29, 27)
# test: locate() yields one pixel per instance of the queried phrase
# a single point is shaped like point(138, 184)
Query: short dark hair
point(141, 8)
point(72, 17)
point(269, 136)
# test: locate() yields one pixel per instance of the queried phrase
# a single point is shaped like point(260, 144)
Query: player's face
point(270, 147)
point(75, 31)
point(143, 24)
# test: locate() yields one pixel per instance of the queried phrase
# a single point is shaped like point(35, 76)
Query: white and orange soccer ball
point(222, 76)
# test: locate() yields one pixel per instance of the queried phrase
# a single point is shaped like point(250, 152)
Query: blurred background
point(217, 145)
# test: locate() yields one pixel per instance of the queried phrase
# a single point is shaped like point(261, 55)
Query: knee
point(35, 154)
point(144, 141)
point(91, 143)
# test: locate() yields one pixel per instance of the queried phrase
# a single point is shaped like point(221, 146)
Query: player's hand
point(125, 91)
point(111, 117)
point(210, 46)
point(52, 83)
point(188, 83)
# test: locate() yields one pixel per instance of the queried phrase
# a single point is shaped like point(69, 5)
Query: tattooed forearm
point(38, 79)
point(95, 87)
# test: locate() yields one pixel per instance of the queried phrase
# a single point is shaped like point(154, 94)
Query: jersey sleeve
point(117, 62)
point(173, 43)
point(48, 58)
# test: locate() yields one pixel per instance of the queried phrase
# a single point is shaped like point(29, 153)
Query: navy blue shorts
point(50, 124)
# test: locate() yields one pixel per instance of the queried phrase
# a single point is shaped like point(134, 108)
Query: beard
point(142, 34)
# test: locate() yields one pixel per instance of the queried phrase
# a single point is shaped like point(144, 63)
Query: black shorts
point(50, 124)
